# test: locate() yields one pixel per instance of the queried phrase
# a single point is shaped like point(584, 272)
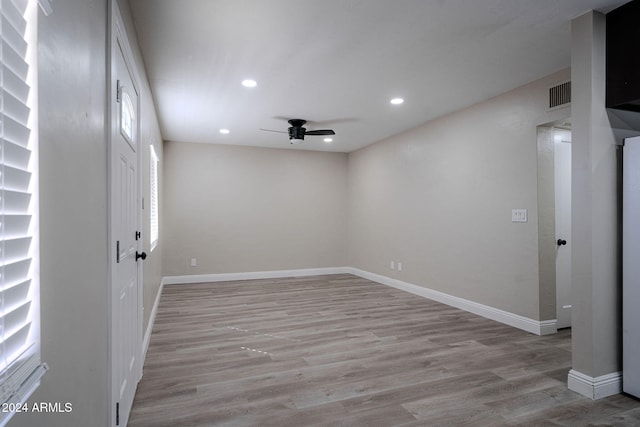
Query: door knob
point(141, 255)
point(561, 242)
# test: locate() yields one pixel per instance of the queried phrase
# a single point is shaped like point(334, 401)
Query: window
point(127, 117)
point(20, 367)
point(153, 184)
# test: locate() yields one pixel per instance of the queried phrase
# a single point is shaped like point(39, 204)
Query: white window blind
point(20, 366)
point(153, 214)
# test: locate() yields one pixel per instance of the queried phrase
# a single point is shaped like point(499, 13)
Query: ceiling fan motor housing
point(296, 132)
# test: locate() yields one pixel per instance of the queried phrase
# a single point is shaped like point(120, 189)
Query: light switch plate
point(518, 215)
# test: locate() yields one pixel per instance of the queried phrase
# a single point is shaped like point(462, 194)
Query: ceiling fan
point(297, 131)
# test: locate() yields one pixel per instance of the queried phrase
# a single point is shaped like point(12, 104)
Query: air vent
point(560, 95)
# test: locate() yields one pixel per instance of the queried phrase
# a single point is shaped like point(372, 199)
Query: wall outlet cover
point(518, 215)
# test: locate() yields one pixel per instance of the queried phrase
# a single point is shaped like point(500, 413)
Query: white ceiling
point(337, 63)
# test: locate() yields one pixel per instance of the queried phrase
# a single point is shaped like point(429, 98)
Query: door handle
point(141, 255)
point(561, 242)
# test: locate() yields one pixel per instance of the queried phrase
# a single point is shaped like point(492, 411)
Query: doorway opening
point(554, 222)
point(562, 189)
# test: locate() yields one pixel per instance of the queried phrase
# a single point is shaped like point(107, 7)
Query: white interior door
point(562, 180)
point(126, 342)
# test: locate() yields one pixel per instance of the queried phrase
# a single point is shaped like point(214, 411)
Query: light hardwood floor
point(344, 351)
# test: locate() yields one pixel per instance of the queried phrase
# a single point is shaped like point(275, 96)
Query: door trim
point(118, 40)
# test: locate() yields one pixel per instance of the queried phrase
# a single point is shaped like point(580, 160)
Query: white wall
point(244, 209)
point(439, 197)
point(73, 183)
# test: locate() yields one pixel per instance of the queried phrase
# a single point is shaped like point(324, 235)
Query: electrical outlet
point(392, 265)
point(399, 266)
point(194, 262)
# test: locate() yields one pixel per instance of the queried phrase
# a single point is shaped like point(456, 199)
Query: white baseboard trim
point(547, 327)
point(152, 321)
point(595, 388)
point(537, 327)
point(227, 277)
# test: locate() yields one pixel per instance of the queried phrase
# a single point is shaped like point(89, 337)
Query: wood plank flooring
point(344, 351)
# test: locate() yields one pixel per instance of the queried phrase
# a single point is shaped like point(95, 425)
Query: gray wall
point(73, 201)
point(242, 209)
point(439, 197)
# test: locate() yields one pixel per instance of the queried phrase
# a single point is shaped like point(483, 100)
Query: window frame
point(154, 220)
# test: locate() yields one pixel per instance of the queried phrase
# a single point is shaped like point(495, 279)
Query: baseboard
point(547, 327)
point(227, 277)
point(595, 388)
point(537, 327)
point(152, 321)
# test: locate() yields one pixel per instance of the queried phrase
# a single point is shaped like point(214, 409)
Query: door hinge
point(118, 91)
point(118, 251)
point(138, 235)
point(117, 413)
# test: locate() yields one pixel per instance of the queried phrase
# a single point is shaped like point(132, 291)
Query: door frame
point(118, 40)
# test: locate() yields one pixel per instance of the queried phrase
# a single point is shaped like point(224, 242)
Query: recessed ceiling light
point(328, 140)
point(249, 83)
point(397, 101)
point(224, 131)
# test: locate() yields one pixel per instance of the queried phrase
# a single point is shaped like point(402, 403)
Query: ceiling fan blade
point(320, 132)
point(331, 122)
point(271, 130)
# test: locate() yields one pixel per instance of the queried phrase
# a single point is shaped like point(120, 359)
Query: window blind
point(153, 211)
point(20, 366)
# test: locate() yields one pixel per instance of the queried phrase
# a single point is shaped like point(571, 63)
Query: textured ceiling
point(337, 63)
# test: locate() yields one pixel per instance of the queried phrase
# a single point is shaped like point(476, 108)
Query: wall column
point(596, 288)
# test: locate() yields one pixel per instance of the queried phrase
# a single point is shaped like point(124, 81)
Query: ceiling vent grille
point(560, 95)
